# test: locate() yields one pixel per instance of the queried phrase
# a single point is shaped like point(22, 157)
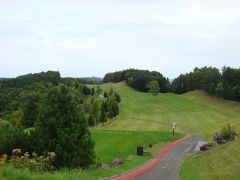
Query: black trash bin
point(140, 150)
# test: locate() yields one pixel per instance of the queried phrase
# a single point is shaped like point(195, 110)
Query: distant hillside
point(2, 79)
point(31, 78)
point(92, 79)
point(52, 77)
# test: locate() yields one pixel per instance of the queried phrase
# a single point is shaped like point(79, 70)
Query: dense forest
point(40, 113)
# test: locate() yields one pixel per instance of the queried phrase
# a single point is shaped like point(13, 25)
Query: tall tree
point(95, 111)
point(112, 108)
point(62, 128)
point(30, 109)
point(103, 114)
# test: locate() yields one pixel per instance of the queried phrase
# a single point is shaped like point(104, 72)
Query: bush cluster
point(34, 162)
point(226, 134)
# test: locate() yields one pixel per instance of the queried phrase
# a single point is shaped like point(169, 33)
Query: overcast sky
point(92, 37)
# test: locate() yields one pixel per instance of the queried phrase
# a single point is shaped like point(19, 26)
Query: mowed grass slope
point(195, 110)
point(220, 163)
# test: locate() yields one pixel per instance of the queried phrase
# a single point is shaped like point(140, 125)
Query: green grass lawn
point(194, 110)
point(220, 163)
point(112, 144)
point(109, 145)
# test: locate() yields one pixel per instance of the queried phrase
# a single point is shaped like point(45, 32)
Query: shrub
point(227, 133)
point(11, 138)
point(34, 163)
point(3, 159)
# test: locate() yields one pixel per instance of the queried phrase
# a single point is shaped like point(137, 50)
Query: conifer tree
point(63, 129)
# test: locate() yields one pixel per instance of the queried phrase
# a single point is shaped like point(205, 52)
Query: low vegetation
point(225, 135)
point(108, 146)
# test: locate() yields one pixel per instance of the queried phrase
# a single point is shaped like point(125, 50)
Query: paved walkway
point(167, 164)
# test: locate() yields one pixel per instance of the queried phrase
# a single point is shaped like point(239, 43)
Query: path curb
point(150, 164)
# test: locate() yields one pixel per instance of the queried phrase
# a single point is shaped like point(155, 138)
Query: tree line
point(224, 83)
point(139, 79)
point(43, 112)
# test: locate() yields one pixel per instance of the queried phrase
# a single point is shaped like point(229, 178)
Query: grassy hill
point(220, 163)
point(194, 110)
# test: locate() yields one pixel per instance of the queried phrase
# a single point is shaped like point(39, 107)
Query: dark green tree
point(236, 93)
point(30, 109)
point(117, 97)
point(91, 121)
point(94, 111)
point(103, 114)
point(11, 138)
point(92, 91)
point(112, 108)
point(86, 90)
point(105, 95)
point(63, 129)
point(98, 91)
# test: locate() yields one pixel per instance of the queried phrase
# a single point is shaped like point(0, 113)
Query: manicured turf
point(220, 163)
point(109, 145)
point(112, 144)
point(194, 111)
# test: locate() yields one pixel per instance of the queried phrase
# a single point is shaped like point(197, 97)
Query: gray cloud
point(84, 38)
